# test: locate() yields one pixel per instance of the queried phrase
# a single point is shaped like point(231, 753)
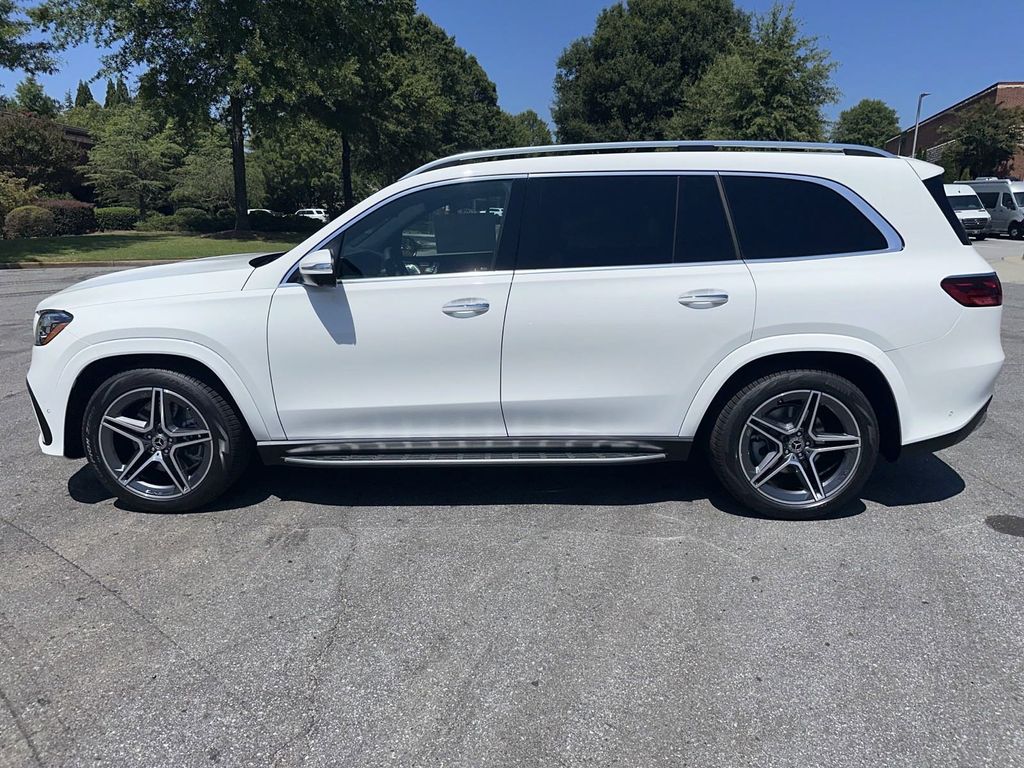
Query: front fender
point(795, 343)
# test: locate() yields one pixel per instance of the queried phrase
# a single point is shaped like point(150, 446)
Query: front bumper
point(45, 435)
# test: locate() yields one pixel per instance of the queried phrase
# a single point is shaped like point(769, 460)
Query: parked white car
point(793, 310)
point(319, 214)
point(968, 209)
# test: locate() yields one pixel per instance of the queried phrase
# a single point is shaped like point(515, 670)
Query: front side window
point(1019, 197)
point(778, 218)
point(442, 230)
point(989, 199)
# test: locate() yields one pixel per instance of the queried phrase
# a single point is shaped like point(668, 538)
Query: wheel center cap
point(159, 442)
point(797, 445)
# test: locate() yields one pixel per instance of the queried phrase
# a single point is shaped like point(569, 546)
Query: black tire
point(1015, 231)
point(980, 237)
point(224, 453)
point(731, 433)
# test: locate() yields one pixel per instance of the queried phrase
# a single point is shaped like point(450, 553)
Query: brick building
point(930, 137)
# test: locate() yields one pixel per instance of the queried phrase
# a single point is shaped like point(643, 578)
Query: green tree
point(123, 94)
point(15, 51)
point(110, 98)
point(301, 164)
point(34, 149)
point(15, 192)
point(627, 79)
point(230, 58)
point(983, 139)
point(31, 97)
point(132, 160)
point(83, 96)
point(870, 122)
point(526, 129)
point(205, 179)
point(772, 85)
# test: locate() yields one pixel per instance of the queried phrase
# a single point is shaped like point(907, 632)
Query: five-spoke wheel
point(162, 440)
point(795, 444)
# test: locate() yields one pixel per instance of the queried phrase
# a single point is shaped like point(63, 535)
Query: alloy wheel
point(800, 448)
point(155, 443)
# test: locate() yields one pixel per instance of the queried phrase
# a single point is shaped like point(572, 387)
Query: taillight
point(975, 290)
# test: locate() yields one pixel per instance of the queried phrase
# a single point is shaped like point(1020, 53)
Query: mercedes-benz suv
point(794, 310)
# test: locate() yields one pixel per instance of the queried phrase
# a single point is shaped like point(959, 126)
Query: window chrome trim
point(894, 241)
point(287, 279)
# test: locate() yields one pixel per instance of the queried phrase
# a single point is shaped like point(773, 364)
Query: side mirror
point(317, 268)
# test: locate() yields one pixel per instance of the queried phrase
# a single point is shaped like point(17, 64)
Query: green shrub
point(14, 193)
point(196, 220)
point(158, 222)
point(71, 217)
point(117, 217)
point(265, 222)
point(29, 221)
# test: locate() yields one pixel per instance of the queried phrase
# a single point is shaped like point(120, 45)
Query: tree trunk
point(346, 172)
point(238, 162)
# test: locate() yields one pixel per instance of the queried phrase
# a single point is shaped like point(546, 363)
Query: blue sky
point(885, 50)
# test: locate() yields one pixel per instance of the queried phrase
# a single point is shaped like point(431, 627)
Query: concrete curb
point(69, 264)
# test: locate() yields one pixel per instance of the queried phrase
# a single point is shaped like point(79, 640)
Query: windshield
point(965, 203)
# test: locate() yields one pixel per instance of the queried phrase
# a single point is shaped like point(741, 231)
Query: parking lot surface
point(623, 616)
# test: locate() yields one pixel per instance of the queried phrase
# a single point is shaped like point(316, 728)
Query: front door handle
point(465, 307)
point(704, 298)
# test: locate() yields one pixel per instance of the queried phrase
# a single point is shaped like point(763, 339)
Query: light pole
point(917, 123)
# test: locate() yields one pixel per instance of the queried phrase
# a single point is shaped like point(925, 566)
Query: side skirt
point(476, 451)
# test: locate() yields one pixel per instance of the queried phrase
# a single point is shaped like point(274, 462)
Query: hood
point(196, 276)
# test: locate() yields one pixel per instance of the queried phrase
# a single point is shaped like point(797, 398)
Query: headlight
point(50, 322)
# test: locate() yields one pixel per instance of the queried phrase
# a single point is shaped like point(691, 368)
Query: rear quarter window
point(778, 218)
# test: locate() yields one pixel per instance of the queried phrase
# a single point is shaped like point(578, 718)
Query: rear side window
point(597, 221)
point(938, 193)
point(779, 218)
point(702, 230)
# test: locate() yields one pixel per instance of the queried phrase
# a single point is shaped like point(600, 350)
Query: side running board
point(476, 451)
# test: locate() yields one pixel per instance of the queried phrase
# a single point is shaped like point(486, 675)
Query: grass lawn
point(141, 246)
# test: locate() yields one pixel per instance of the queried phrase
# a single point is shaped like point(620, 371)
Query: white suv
point(794, 310)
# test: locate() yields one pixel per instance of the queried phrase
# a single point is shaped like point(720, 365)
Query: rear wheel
point(795, 444)
point(162, 441)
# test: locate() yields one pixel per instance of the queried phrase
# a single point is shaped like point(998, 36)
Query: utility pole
point(917, 123)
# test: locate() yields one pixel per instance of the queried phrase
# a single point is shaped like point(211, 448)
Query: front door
point(627, 292)
point(409, 342)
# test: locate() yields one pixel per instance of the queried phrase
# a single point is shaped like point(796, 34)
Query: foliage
point(870, 122)
point(29, 221)
point(526, 129)
point(70, 217)
point(14, 193)
point(984, 138)
point(131, 161)
point(83, 96)
point(15, 51)
point(260, 54)
point(35, 149)
point(116, 218)
point(195, 220)
point(301, 163)
point(627, 79)
point(205, 179)
point(772, 85)
point(30, 96)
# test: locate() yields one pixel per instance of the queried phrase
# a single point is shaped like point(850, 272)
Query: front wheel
point(162, 441)
point(795, 444)
point(1015, 231)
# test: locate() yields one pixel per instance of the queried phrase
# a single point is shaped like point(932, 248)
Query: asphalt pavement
point(627, 616)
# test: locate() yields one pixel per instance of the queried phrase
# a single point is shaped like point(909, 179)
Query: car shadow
point(914, 480)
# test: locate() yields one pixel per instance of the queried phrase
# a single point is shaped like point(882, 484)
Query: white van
point(969, 209)
point(1004, 199)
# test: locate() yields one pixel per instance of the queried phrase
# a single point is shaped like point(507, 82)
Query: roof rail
point(620, 146)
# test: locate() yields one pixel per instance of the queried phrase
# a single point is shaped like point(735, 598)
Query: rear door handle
point(704, 298)
point(465, 307)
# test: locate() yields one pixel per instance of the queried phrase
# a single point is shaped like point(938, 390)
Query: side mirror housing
point(317, 268)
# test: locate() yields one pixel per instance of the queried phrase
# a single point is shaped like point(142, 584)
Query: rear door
point(627, 292)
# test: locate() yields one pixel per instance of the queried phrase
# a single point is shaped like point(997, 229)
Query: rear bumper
point(940, 442)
